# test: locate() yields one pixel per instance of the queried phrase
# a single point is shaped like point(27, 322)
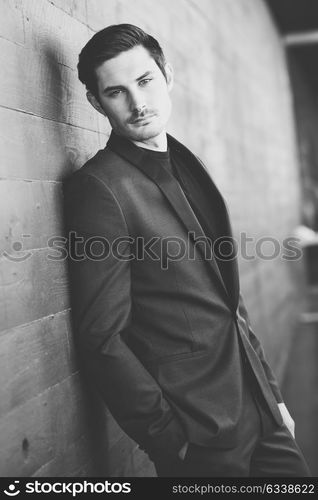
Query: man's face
point(134, 94)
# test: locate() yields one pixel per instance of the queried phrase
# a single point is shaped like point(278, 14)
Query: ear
point(169, 75)
point(95, 103)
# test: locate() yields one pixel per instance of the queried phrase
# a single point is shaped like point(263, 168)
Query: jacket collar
point(171, 189)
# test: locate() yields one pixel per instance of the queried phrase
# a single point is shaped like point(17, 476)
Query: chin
point(146, 133)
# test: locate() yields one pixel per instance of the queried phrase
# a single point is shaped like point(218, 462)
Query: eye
point(115, 93)
point(144, 82)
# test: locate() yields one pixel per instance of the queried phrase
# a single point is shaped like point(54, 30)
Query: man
point(161, 327)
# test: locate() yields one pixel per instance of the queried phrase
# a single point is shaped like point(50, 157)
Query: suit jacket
point(164, 342)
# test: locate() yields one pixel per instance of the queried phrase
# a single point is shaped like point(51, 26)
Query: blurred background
point(245, 101)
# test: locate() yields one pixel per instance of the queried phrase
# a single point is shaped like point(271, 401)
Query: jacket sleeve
point(100, 277)
point(260, 352)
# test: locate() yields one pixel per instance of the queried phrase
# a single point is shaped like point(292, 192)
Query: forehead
point(126, 67)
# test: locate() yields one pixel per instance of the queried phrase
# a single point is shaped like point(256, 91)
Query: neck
point(158, 143)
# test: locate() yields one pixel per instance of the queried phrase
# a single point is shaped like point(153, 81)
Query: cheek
point(162, 98)
point(114, 112)
point(164, 102)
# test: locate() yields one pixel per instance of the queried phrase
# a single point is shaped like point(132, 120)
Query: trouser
point(264, 450)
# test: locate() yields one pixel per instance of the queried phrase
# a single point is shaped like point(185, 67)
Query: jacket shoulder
point(104, 166)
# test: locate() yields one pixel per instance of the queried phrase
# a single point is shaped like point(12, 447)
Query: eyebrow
point(120, 87)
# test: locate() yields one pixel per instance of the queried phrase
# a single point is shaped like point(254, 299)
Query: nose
point(137, 102)
point(140, 108)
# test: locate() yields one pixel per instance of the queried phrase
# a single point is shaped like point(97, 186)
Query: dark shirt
point(202, 203)
point(199, 201)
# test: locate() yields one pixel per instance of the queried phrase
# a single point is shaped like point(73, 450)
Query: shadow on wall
point(98, 421)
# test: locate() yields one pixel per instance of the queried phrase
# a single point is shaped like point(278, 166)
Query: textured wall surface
point(232, 106)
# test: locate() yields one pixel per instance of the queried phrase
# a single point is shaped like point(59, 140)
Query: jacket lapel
point(172, 190)
point(223, 215)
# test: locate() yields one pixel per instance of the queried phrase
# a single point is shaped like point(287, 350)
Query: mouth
point(142, 120)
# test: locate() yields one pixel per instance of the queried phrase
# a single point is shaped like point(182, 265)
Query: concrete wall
point(232, 106)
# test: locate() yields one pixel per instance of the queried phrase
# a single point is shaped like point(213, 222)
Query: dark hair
point(109, 43)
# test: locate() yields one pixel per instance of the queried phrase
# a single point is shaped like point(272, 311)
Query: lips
point(142, 119)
